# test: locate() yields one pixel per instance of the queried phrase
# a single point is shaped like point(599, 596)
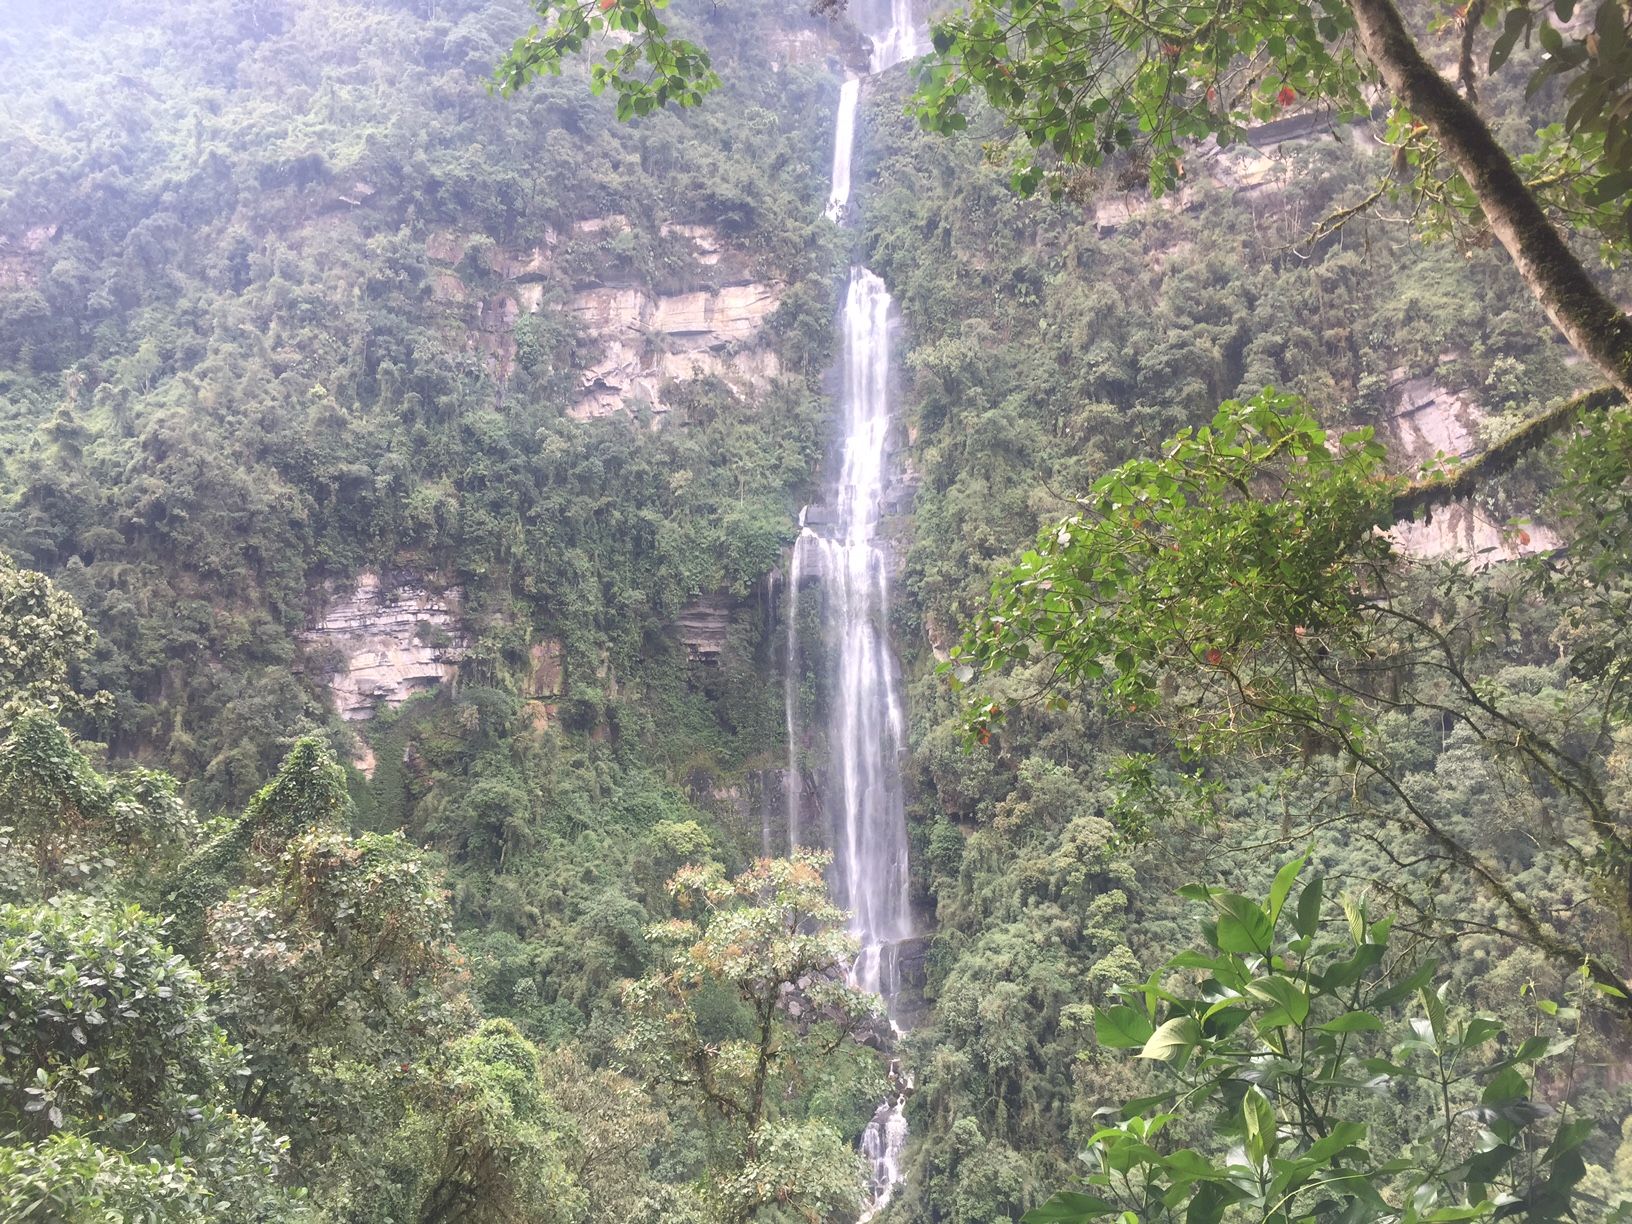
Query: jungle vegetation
point(1269, 870)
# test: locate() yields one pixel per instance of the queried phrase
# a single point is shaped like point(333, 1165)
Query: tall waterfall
point(865, 729)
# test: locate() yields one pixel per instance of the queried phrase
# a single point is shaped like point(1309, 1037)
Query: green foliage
point(309, 792)
point(1272, 1064)
point(69, 1177)
point(333, 974)
point(78, 827)
point(46, 635)
point(1209, 568)
point(231, 375)
point(114, 1076)
point(1087, 83)
point(756, 938)
point(248, 420)
point(648, 71)
point(1596, 66)
point(1044, 355)
point(499, 1159)
point(103, 1021)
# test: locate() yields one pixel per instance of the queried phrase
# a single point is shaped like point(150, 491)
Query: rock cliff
point(385, 640)
point(641, 339)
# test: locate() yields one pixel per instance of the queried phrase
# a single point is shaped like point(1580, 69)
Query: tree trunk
point(1599, 330)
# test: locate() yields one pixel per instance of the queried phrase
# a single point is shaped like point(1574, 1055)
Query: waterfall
point(902, 39)
point(844, 143)
point(793, 775)
point(866, 734)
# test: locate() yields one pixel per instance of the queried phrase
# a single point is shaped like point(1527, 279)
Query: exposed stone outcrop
point(703, 625)
point(1429, 419)
point(644, 339)
point(1252, 167)
point(615, 223)
point(548, 674)
point(649, 339)
point(799, 47)
point(1462, 531)
point(383, 641)
point(704, 239)
point(21, 255)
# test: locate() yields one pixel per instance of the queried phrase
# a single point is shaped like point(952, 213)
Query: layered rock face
point(22, 257)
point(648, 340)
point(703, 625)
point(384, 641)
point(642, 340)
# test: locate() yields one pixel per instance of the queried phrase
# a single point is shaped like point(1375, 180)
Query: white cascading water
point(865, 730)
point(844, 143)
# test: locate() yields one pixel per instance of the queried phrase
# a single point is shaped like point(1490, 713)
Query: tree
point(495, 1153)
point(1305, 1067)
point(335, 974)
point(1087, 81)
point(82, 828)
point(43, 636)
point(115, 1079)
point(1238, 591)
point(761, 936)
point(308, 793)
point(647, 70)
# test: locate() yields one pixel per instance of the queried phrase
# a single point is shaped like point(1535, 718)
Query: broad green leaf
point(1258, 1115)
point(1479, 1030)
point(1435, 1006)
point(1309, 903)
point(1570, 1136)
point(1188, 1165)
point(1173, 1040)
point(1346, 973)
point(1122, 1027)
point(1284, 879)
point(1242, 925)
point(1210, 1202)
point(1343, 1135)
point(1291, 1003)
point(1401, 990)
point(1518, 21)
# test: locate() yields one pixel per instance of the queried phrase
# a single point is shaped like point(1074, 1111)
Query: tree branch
point(1427, 495)
point(1598, 329)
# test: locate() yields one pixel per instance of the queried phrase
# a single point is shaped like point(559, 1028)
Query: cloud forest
point(815, 611)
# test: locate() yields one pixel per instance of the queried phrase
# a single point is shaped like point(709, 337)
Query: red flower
point(1287, 96)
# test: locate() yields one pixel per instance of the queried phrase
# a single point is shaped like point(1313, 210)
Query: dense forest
point(419, 711)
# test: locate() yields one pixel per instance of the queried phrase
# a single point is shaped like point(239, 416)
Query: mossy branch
point(1425, 496)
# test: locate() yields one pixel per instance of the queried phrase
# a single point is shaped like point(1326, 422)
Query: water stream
point(865, 730)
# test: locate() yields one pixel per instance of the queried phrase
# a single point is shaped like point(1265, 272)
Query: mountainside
point(463, 493)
